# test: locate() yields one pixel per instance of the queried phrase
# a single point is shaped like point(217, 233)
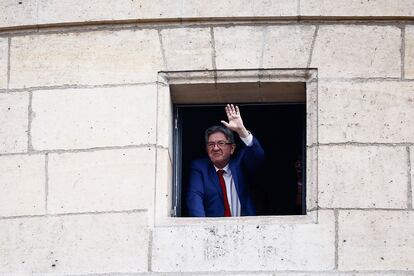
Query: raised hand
point(235, 121)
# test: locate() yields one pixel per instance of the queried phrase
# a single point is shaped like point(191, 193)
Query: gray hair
point(214, 129)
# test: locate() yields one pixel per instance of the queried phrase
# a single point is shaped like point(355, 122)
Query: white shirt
point(231, 191)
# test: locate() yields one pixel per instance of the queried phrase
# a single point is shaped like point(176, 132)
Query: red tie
point(227, 212)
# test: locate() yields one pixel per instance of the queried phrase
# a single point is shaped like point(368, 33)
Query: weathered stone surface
point(31, 12)
point(4, 53)
point(245, 247)
point(100, 57)
point(357, 51)
point(362, 177)
point(378, 111)
point(236, 274)
point(312, 178)
point(276, 273)
point(164, 178)
point(164, 117)
point(52, 11)
point(353, 273)
point(312, 112)
point(55, 11)
point(112, 180)
point(380, 240)
point(22, 182)
point(74, 244)
point(198, 274)
point(88, 118)
point(409, 52)
point(356, 8)
point(187, 48)
point(13, 122)
point(412, 174)
point(241, 51)
point(287, 46)
point(18, 13)
point(237, 8)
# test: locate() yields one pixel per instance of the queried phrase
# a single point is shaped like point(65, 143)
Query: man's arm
point(195, 194)
point(253, 155)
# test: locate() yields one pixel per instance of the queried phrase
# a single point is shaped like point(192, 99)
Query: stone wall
point(85, 139)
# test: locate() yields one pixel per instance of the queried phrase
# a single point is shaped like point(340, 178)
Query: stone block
point(311, 113)
point(33, 12)
point(239, 8)
point(377, 111)
point(241, 51)
point(376, 240)
point(55, 11)
point(287, 46)
point(362, 177)
point(18, 13)
point(235, 274)
point(23, 182)
point(409, 52)
point(89, 118)
point(87, 58)
point(356, 8)
point(245, 247)
point(353, 273)
point(14, 122)
point(164, 187)
point(187, 48)
point(164, 117)
point(357, 51)
point(4, 55)
point(412, 174)
point(111, 180)
point(81, 244)
point(312, 178)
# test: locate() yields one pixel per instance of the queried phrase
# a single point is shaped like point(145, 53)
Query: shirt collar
point(226, 168)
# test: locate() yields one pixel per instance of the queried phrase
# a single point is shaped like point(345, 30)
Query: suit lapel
point(212, 174)
point(235, 175)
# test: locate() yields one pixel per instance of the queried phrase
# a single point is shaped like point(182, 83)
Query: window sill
point(310, 218)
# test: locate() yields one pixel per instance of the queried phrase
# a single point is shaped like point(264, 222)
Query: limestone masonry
point(86, 135)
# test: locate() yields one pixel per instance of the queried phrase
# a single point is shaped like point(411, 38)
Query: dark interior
point(280, 129)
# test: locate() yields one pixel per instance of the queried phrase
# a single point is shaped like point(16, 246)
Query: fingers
point(237, 110)
point(225, 123)
point(227, 108)
point(232, 110)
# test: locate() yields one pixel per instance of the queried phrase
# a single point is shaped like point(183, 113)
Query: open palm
point(235, 122)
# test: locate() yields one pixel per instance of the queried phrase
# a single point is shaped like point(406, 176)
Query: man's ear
point(233, 147)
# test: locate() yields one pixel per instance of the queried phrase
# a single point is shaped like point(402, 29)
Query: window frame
point(164, 192)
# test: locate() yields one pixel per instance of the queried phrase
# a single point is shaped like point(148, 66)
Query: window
point(278, 106)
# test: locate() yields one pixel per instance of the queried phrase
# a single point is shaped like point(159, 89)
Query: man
point(218, 184)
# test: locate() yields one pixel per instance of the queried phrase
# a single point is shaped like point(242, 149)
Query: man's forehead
point(217, 136)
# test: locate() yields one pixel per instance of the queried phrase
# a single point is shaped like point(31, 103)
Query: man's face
point(219, 155)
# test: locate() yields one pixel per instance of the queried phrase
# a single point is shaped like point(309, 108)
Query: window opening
point(280, 128)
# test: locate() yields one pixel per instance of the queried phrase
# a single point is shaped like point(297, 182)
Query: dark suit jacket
point(204, 194)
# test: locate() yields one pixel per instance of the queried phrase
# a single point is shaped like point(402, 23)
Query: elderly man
point(218, 185)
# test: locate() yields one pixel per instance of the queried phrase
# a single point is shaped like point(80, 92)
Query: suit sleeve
point(195, 193)
point(253, 156)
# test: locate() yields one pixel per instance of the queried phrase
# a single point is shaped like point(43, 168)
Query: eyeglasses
point(220, 144)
